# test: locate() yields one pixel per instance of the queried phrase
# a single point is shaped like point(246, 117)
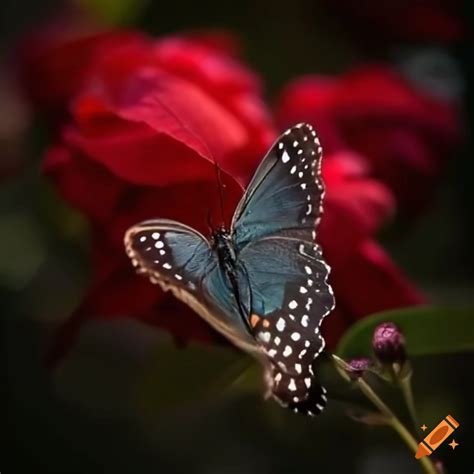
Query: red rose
point(404, 135)
point(364, 278)
point(148, 121)
point(53, 61)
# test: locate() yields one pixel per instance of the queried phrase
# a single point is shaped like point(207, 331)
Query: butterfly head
point(220, 236)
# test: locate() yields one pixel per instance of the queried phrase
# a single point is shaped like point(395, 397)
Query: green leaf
point(428, 331)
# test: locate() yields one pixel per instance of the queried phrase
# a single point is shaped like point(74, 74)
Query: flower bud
point(357, 367)
point(389, 344)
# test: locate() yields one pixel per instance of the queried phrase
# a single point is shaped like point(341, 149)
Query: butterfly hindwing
point(286, 192)
point(182, 260)
point(290, 298)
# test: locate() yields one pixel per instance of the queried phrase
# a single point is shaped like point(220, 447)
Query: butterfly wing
point(286, 192)
point(181, 260)
point(290, 298)
point(274, 232)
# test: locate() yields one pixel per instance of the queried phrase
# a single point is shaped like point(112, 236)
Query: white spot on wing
point(288, 351)
point(280, 325)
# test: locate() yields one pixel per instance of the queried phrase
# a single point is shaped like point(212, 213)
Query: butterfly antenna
point(206, 146)
point(209, 221)
point(220, 188)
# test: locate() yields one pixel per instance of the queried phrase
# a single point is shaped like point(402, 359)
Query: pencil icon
point(437, 436)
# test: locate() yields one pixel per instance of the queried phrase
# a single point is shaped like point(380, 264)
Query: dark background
point(105, 411)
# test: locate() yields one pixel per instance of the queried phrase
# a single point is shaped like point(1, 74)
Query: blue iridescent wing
point(180, 259)
point(286, 192)
point(274, 231)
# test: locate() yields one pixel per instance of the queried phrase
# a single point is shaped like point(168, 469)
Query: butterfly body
point(223, 245)
point(263, 282)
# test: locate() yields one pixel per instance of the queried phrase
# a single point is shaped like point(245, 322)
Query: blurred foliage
point(115, 12)
point(428, 331)
point(20, 239)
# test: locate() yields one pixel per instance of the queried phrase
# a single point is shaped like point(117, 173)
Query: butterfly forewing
point(181, 260)
point(170, 252)
point(286, 192)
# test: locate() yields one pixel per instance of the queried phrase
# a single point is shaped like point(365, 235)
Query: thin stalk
point(392, 420)
point(407, 392)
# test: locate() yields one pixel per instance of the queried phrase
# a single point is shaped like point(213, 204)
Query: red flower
point(148, 121)
point(422, 20)
point(404, 135)
point(363, 277)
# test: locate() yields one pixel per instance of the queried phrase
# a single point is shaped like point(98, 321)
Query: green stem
point(407, 392)
point(392, 420)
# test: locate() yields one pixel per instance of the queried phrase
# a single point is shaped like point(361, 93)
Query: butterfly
point(263, 282)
